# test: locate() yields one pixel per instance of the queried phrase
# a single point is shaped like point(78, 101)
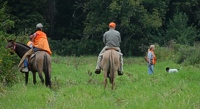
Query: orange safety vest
point(41, 42)
point(29, 43)
point(154, 58)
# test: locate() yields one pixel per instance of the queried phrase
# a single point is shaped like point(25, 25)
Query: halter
point(14, 46)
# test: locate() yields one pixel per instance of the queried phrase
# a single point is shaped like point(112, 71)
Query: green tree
point(26, 14)
point(181, 23)
point(179, 30)
point(6, 24)
point(135, 20)
point(69, 19)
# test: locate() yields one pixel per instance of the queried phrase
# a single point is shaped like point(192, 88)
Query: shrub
point(193, 56)
point(185, 54)
point(8, 63)
point(164, 53)
point(182, 53)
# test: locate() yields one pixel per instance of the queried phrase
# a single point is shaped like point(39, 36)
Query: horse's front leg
point(34, 78)
point(26, 77)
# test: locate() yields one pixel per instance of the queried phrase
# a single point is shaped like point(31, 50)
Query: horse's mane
point(23, 44)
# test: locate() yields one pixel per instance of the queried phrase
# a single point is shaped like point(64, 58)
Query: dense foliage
point(140, 22)
point(7, 60)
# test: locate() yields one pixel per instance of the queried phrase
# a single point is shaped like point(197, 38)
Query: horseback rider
point(40, 42)
point(111, 39)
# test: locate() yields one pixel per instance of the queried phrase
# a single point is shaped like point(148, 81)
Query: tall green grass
point(74, 87)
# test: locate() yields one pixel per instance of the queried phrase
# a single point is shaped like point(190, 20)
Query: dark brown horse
point(41, 62)
point(110, 64)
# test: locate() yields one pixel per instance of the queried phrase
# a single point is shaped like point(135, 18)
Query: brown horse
point(41, 62)
point(110, 64)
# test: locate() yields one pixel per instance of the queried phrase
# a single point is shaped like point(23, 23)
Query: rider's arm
point(119, 38)
point(104, 39)
point(33, 36)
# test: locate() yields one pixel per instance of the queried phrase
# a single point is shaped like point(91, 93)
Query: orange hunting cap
point(112, 24)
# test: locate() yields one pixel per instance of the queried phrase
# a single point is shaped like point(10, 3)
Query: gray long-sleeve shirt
point(112, 38)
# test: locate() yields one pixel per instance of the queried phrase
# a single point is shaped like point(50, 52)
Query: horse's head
point(11, 44)
point(19, 48)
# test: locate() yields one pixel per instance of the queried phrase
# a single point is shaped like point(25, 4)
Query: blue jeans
point(25, 63)
point(35, 49)
point(150, 69)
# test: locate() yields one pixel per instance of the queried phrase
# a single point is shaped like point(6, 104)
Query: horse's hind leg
point(113, 85)
point(34, 77)
point(113, 80)
point(26, 78)
point(105, 79)
point(41, 77)
point(105, 82)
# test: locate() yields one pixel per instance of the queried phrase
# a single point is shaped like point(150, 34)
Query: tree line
point(82, 23)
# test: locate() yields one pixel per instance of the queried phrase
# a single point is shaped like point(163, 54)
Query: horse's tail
point(112, 70)
point(46, 71)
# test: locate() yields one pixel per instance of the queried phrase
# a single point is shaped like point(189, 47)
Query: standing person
point(151, 59)
point(111, 39)
point(40, 42)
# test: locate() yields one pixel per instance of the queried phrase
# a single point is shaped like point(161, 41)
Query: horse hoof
point(120, 73)
point(97, 71)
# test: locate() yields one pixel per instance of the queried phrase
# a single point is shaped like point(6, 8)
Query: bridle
point(13, 47)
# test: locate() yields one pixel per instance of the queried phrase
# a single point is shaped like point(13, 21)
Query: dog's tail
point(180, 68)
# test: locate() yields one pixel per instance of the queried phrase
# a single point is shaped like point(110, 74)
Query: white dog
point(172, 70)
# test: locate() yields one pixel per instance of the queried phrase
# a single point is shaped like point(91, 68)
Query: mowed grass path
point(75, 88)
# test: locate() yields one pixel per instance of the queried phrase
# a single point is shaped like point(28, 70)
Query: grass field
point(73, 88)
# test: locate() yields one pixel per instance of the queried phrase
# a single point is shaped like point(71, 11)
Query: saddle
point(33, 55)
point(35, 52)
point(113, 49)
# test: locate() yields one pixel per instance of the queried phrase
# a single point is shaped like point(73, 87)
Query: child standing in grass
point(151, 59)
